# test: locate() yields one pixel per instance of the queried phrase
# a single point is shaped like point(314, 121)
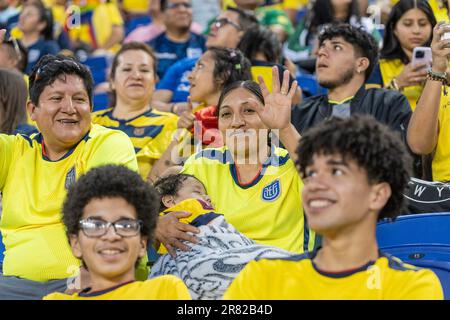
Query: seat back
point(422, 240)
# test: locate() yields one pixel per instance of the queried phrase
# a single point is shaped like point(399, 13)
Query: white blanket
point(212, 264)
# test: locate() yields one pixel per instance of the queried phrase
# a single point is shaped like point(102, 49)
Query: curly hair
point(112, 181)
point(50, 68)
point(363, 43)
point(171, 185)
point(372, 145)
point(261, 40)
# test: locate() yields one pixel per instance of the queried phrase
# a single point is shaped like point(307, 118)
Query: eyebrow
point(337, 163)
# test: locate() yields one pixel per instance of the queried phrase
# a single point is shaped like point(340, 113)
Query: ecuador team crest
point(272, 191)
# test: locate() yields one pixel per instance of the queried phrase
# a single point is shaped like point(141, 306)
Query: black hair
point(112, 181)
point(322, 13)
point(246, 18)
point(249, 85)
point(230, 65)
point(133, 45)
point(163, 5)
point(45, 15)
point(363, 43)
point(261, 40)
point(391, 45)
point(51, 67)
point(372, 145)
point(171, 185)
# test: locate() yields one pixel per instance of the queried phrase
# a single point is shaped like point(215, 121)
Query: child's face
point(110, 257)
point(337, 196)
point(192, 189)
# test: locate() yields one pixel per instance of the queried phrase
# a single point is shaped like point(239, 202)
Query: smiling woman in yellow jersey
point(36, 171)
point(132, 82)
point(255, 186)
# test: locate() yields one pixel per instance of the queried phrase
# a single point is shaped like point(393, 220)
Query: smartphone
point(422, 55)
point(446, 35)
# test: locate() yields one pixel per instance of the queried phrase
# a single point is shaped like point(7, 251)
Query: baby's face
point(192, 189)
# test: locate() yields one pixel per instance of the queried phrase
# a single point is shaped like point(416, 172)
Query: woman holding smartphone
point(410, 25)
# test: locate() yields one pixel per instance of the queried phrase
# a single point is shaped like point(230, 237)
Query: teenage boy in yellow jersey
point(429, 129)
point(354, 171)
point(109, 225)
point(37, 170)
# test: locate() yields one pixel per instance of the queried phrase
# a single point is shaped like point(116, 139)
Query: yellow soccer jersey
point(297, 278)
point(202, 214)
point(34, 189)
point(441, 159)
point(161, 288)
point(268, 210)
point(150, 132)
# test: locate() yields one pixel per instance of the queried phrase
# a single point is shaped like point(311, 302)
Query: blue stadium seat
point(100, 101)
point(99, 67)
point(2, 249)
point(309, 85)
point(152, 255)
point(422, 240)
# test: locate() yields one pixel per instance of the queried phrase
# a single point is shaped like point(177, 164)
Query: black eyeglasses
point(178, 5)
point(95, 228)
point(219, 23)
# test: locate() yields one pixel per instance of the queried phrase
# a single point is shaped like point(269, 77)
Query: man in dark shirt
point(177, 42)
point(345, 60)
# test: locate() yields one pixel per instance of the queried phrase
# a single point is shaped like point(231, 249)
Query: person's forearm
point(423, 127)
point(290, 138)
point(117, 36)
point(162, 106)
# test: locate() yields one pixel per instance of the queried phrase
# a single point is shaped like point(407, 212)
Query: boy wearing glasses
point(109, 225)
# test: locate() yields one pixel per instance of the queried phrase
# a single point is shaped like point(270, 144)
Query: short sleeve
point(114, 15)
point(6, 155)
point(425, 286)
point(114, 148)
point(246, 284)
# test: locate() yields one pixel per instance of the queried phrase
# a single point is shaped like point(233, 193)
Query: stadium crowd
point(219, 149)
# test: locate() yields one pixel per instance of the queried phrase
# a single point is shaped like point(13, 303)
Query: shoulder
point(100, 134)
point(410, 281)
point(312, 101)
point(101, 113)
point(212, 155)
point(167, 287)
point(167, 116)
point(59, 296)
point(386, 96)
point(272, 266)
